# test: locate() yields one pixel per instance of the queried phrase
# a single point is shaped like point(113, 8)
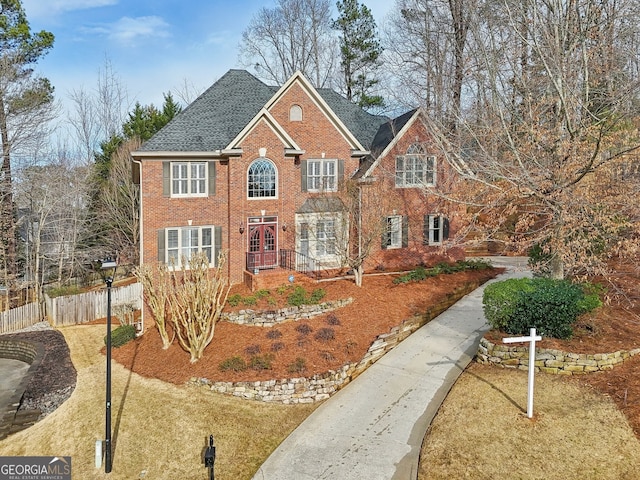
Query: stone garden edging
point(550, 361)
point(288, 314)
point(321, 386)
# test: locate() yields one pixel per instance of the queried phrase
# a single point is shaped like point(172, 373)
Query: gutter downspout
point(141, 253)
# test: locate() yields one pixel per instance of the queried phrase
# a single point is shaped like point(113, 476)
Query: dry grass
point(482, 431)
point(159, 428)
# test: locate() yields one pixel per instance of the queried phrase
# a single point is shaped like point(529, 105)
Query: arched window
point(295, 113)
point(261, 179)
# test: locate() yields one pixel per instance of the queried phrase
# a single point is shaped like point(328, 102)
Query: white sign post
point(532, 339)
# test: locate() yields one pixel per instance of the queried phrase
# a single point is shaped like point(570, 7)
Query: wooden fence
point(86, 307)
point(21, 317)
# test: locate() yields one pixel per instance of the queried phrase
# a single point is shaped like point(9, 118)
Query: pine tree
point(360, 51)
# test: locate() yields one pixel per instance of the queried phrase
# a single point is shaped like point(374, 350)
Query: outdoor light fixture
point(284, 227)
point(241, 228)
point(109, 268)
point(210, 457)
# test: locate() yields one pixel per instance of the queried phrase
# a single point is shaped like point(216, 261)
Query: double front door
point(263, 243)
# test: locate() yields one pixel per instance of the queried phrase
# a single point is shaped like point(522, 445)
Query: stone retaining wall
point(322, 386)
point(11, 420)
point(549, 360)
point(289, 314)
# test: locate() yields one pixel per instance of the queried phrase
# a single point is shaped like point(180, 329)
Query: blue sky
point(153, 46)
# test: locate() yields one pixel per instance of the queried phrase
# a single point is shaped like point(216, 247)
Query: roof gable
point(215, 117)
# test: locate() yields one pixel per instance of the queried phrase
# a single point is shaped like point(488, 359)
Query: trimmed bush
point(236, 364)
point(550, 306)
point(122, 335)
point(299, 366)
point(500, 300)
point(261, 362)
point(325, 334)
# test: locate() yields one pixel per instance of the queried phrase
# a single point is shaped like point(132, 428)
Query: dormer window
point(295, 113)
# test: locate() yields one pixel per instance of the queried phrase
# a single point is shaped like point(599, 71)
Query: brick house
point(255, 171)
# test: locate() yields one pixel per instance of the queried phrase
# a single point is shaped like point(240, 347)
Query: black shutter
point(445, 228)
point(386, 234)
point(166, 179)
point(161, 247)
point(303, 176)
point(212, 178)
point(217, 244)
point(425, 230)
point(341, 178)
point(405, 231)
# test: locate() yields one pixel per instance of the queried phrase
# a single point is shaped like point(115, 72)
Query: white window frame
point(321, 244)
point(275, 180)
point(322, 175)
point(394, 231)
point(415, 169)
point(192, 179)
point(185, 241)
point(436, 223)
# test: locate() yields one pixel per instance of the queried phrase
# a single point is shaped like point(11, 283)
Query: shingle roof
point(361, 123)
point(215, 117)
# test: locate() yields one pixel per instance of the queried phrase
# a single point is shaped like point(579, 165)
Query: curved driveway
point(373, 428)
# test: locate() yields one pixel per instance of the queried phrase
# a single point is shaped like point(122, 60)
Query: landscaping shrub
point(325, 334)
point(273, 334)
point(304, 329)
point(298, 366)
point(261, 362)
point(277, 346)
point(298, 297)
point(500, 299)
point(550, 306)
point(332, 319)
point(236, 364)
point(420, 272)
point(252, 349)
point(317, 295)
point(234, 300)
point(122, 335)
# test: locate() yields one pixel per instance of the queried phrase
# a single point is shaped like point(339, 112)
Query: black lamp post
point(210, 457)
point(109, 266)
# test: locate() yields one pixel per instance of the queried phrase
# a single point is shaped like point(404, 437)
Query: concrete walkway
point(373, 428)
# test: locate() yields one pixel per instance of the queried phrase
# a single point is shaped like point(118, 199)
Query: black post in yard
point(107, 443)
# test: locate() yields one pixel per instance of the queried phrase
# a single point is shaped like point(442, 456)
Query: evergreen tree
point(360, 51)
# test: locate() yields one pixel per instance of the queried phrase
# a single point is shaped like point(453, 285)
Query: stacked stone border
point(289, 314)
point(11, 420)
point(550, 361)
point(322, 386)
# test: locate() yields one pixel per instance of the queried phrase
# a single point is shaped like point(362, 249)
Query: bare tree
point(551, 122)
point(192, 298)
point(119, 205)
point(430, 63)
point(294, 35)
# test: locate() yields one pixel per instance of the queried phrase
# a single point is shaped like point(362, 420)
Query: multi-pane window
point(415, 169)
point(261, 179)
point(183, 243)
point(322, 175)
point(393, 237)
point(188, 178)
point(325, 238)
point(436, 229)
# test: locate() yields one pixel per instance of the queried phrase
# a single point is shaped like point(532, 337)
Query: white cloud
point(39, 8)
point(127, 30)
